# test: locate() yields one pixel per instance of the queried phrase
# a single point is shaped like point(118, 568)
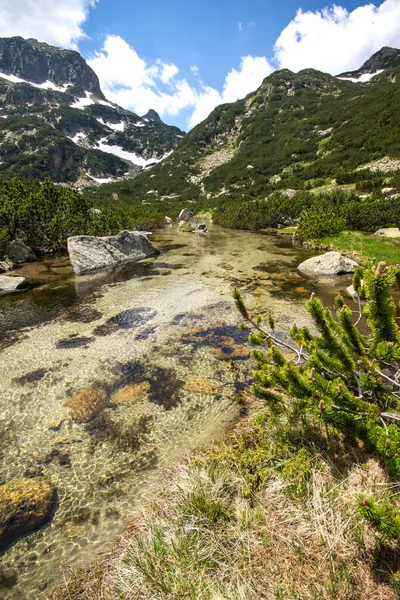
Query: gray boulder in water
point(12, 284)
point(185, 215)
point(330, 263)
point(90, 253)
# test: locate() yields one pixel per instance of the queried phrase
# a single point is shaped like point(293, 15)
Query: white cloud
point(252, 70)
point(167, 72)
point(238, 83)
point(132, 83)
point(240, 26)
point(335, 40)
point(58, 23)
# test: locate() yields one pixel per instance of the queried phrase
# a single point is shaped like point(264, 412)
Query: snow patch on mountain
point(364, 78)
point(47, 85)
point(115, 126)
point(131, 156)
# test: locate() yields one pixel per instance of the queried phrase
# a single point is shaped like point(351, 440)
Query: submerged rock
point(330, 263)
point(87, 404)
point(89, 253)
point(131, 393)
point(391, 232)
point(24, 505)
point(13, 284)
point(185, 215)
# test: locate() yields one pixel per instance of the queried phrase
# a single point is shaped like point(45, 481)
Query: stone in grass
point(390, 232)
point(24, 505)
point(330, 263)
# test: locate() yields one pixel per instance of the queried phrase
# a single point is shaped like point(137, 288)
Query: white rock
point(12, 284)
point(289, 193)
point(393, 232)
point(330, 263)
point(89, 253)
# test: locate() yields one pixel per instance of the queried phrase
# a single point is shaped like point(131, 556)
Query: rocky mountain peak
point(385, 58)
point(38, 62)
point(152, 115)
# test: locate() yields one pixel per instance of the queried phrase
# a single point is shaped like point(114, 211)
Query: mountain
point(55, 120)
point(297, 130)
point(385, 59)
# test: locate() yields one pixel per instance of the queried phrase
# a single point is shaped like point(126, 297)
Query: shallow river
point(156, 338)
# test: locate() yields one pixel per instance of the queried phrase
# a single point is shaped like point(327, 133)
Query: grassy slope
point(364, 245)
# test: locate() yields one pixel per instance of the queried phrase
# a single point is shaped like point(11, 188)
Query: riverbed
point(160, 340)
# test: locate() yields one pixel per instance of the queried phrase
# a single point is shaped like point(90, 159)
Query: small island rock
point(330, 263)
point(89, 253)
point(13, 284)
point(24, 505)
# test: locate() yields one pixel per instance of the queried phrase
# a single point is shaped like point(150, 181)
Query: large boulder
point(185, 215)
point(330, 263)
point(391, 232)
point(17, 253)
point(24, 505)
point(89, 253)
point(12, 284)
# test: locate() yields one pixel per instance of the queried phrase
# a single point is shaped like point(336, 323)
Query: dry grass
point(204, 539)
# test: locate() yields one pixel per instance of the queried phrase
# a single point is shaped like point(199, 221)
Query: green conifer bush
point(347, 374)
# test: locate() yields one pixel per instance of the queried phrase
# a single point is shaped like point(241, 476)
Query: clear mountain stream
point(156, 338)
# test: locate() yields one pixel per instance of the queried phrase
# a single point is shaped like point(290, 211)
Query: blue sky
point(183, 58)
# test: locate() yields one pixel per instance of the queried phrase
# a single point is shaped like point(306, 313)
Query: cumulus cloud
point(58, 23)
point(130, 81)
point(336, 40)
point(238, 83)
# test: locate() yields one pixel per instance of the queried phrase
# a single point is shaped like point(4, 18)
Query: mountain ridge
point(55, 120)
point(295, 129)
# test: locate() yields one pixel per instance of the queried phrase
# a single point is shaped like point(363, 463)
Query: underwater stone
point(24, 504)
point(87, 404)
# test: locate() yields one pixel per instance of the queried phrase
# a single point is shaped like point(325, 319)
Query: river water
point(157, 339)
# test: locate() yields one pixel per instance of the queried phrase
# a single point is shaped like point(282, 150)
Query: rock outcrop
point(24, 505)
point(12, 284)
point(89, 253)
point(38, 62)
point(330, 263)
point(390, 232)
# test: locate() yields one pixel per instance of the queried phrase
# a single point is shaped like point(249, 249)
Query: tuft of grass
point(365, 245)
